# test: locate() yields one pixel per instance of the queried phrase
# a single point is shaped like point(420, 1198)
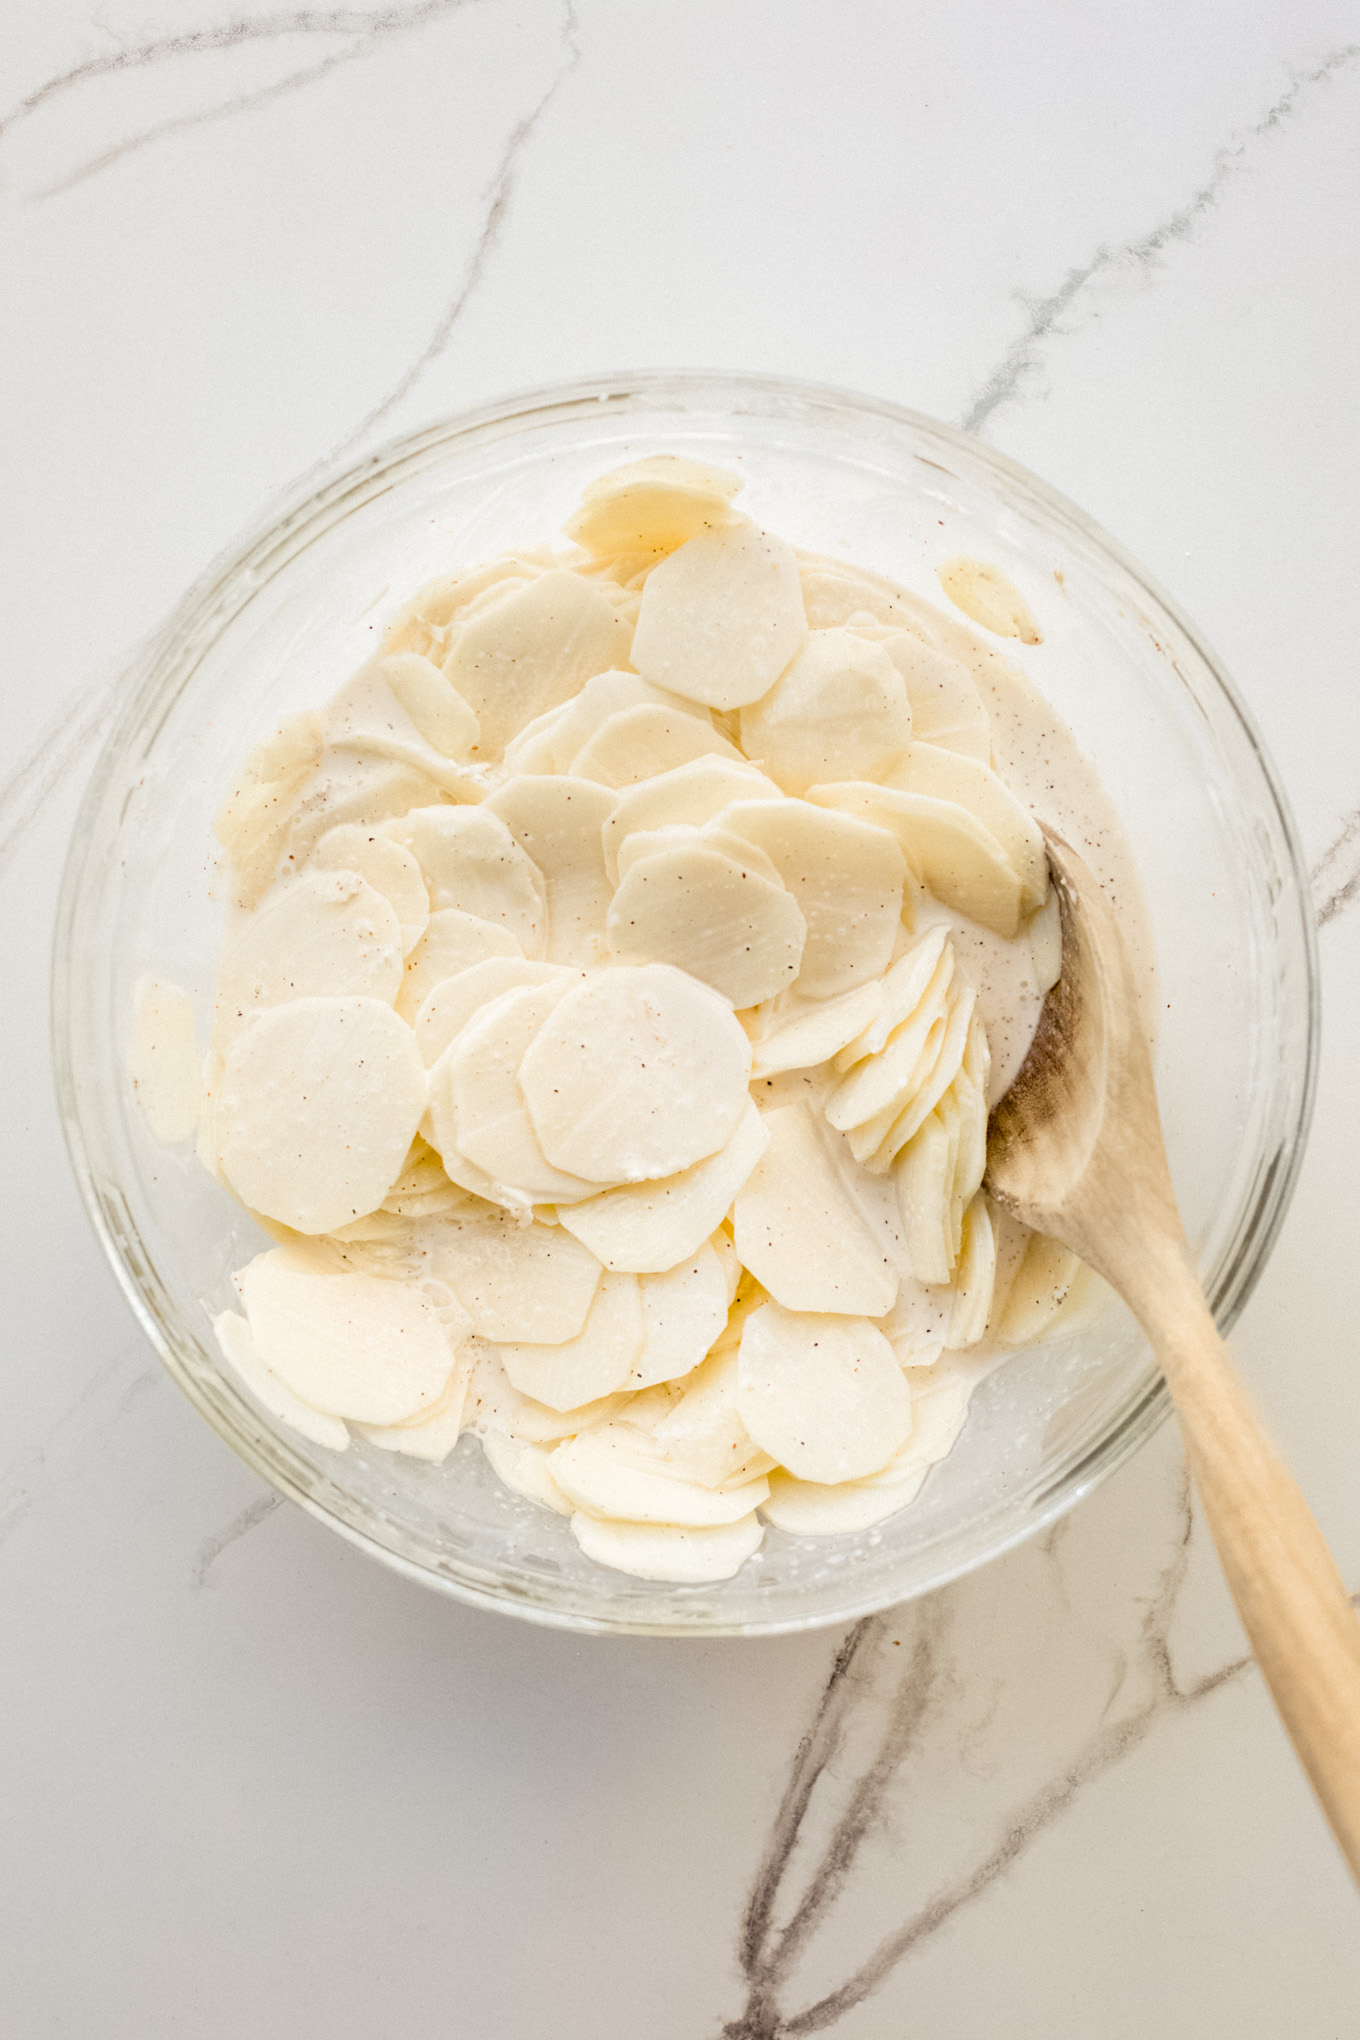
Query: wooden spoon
point(1075, 1150)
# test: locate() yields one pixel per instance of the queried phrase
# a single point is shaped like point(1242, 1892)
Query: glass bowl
point(278, 626)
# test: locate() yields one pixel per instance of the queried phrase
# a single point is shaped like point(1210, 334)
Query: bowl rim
point(323, 495)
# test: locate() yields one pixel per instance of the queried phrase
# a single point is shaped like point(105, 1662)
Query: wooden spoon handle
point(1294, 1606)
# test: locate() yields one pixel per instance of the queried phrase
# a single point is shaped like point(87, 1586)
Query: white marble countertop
point(254, 1784)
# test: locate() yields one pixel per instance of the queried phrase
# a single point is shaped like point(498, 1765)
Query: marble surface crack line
point(499, 197)
point(1336, 875)
point(369, 23)
point(368, 36)
point(816, 1750)
point(1051, 317)
point(27, 1482)
point(211, 1549)
point(55, 754)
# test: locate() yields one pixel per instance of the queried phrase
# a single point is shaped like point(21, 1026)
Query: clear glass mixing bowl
point(279, 625)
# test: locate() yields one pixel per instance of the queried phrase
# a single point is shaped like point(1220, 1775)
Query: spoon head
point(1074, 1148)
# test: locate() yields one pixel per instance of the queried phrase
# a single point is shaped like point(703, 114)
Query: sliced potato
point(521, 1284)
point(636, 744)
point(662, 1551)
point(385, 866)
point(823, 1395)
point(525, 1470)
point(683, 1310)
point(351, 786)
point(946, 708)
point(423, 625)
point(811, 1031)
point(616, 1472)
point(691, 794)
point(326, 935)
point(805, 1508)
point(652, 506)
point(495, 1404)
point(432, 1434)
point(453, 942)
point(597, 1362)
point(800, 1232)
point(944, 775)
point(164, 1060)
point(989, 597)
point(558, 821)
point(846, 876)
point(434, 705)
point(637, 1074)
point(234, 1337)
point(887, 1082)
point(532, 649)
point(353, 1345)
point(318, 1104)
point(445, 1012)
point(920, 976)
point(702, 1434)
point(721, 618)
point(975, 1277)
point(477, 1108)
point(711, 915)
point(649, 1227)
point(840, 711)
point(957, 858)
point(369, 716)
point(922, 1177)
point(1038, 1292)
point(472, 862)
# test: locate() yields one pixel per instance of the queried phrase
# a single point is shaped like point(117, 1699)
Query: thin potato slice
point(234, 1337)
point(353, 1345)
point(1038, 1292)
point(559, 821)
point(495, 1404)
point(800, 1232)
point(814, 1031)
point(317, 1107)
point(254, 820)
point(532, 649)
point(806, 1508)
point(472, 862)
point(887, 1082)
point(928, 1089)
point(477, 1109)
point(597, 1362)
point(661, 1551)
point(328, 935)
point(525, 1470)
point(636, 1075)
point(453, 942)
point(840, 711)
point(519, 1284)
point(923, 1184)
point(845, 875)
point(683, 1311)
point(424, 624)
point(351, 786)
point(989, 597)
point(432, 1435)
point(690, 794)
point(721, 618)
point(944, 775)
point(166, 1071)
point(710, 915)
point(975, 1278)
point(920, 976)
point(956, 857)
point(822, 1395)
point(448, 1008)
point(615, 1472)
point(636, 744)
point(652, 506)
point(702, 1434)
point(946, 708)
point(433, 704)
point(647, 1228)
point(571, 727)
point(368, 716)
point(385, 866)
